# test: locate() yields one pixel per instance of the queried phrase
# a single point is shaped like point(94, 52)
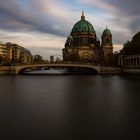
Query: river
point(69, 107)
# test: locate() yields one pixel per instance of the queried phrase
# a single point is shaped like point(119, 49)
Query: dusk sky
point(43, 25)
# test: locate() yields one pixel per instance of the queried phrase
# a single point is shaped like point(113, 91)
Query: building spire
point(83, 16)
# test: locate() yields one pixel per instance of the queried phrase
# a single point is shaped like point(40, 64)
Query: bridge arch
point(90, 68)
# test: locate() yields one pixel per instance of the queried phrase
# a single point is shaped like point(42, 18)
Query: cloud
point(37, 43)
point(39, 24)
point(37, 16)
point(128, 13)
point(123, 16)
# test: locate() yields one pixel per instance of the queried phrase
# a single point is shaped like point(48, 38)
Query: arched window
point(84, 41)
point(107, 40)
point(77, 41)
point(92, 41)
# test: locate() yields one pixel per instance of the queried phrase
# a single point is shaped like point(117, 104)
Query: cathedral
point(83, 45)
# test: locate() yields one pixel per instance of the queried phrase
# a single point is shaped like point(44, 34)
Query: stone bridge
point(99, 69)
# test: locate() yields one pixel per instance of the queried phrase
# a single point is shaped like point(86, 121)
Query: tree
point(132, 47)
point(37, 58)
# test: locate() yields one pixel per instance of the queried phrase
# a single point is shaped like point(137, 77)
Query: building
point(83, 45)
point(129, 57)
point(15, 53)
point(129, 61)
point(51, 58)
point(18, 54)
point(3, 50)
point(107, 45)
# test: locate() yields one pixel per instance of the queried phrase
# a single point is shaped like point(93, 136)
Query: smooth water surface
point(66, 107)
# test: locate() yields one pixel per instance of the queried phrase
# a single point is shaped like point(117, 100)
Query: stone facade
point(3, 50)
point(129, 57)
point(83, 45)
point(15, 53)
point(129, 61)
point(107, 45)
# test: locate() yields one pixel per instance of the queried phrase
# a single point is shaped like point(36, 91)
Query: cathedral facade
point(83, 45)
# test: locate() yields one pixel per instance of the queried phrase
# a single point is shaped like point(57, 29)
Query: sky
point(42, 26)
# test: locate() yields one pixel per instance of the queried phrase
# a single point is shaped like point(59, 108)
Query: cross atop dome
point(83, 16)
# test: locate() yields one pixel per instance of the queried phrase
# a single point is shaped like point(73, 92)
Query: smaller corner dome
point(107, 32)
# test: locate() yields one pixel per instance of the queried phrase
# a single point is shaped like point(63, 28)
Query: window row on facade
point(15, 53)
point(129, 62)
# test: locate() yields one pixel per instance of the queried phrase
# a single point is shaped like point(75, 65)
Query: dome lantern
point(83, 16)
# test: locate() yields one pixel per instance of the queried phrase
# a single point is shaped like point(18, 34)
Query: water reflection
point(69, 107)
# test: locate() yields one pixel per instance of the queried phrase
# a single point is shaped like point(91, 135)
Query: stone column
point(129, 62)
point(126, 62)
point(132, 62)
point(136, 62)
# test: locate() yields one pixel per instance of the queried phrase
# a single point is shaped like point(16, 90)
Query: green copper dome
point(107, 32)
point(83, 26)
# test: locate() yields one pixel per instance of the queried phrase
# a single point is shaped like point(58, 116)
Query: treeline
point(133, 46)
